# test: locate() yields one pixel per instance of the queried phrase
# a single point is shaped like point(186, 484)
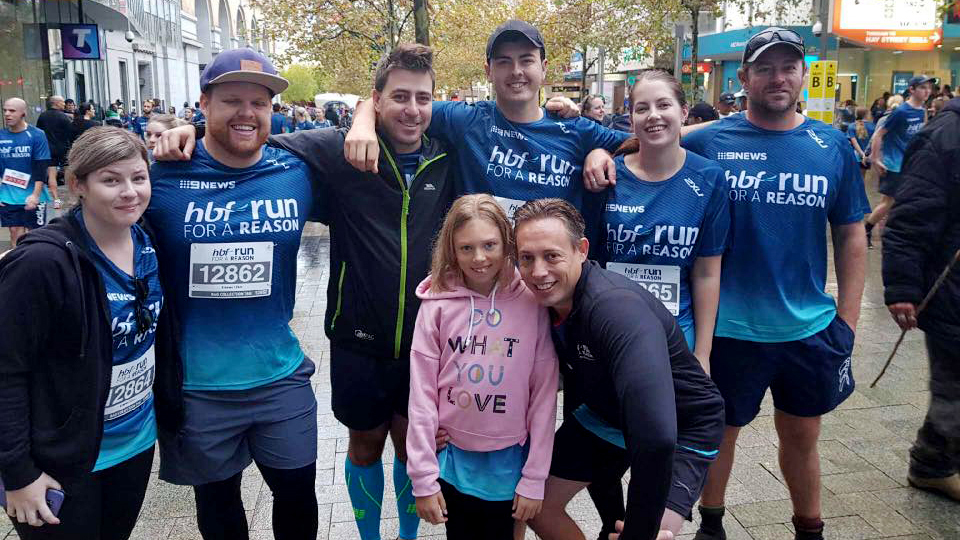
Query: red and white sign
point(888, 24)
point(702, 67)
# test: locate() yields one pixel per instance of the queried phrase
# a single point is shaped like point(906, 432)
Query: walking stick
point(923, 304)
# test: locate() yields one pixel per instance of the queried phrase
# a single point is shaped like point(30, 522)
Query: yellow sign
point(822, 90)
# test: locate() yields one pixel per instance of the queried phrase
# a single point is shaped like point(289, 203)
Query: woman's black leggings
point(99, 506)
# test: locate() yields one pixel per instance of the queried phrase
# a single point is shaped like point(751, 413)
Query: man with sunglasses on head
point(789, 176)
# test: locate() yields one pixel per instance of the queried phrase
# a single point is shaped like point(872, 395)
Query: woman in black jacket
point(79, 407)
point(82, 121)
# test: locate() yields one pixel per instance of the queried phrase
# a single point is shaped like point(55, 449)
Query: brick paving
point(863, 447)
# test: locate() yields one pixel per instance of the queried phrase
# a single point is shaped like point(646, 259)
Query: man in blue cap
point(890, 141)
point(228, 225)
point(789, 177)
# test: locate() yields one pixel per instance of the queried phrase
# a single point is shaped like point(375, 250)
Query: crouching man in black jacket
point(648, 405)
point(921, 237)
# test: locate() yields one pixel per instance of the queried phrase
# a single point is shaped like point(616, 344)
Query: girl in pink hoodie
point(483, 367)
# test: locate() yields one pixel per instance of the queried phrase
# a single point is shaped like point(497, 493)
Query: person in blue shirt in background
point(859, 133)
point(303, 122)
point(139, 124)
point(777, 328)
point(278, 122)
point(890, 142)
point(229, 224)
point(665, 222)
point(25, 164)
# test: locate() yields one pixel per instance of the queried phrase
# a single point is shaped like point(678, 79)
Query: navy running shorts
point(807, 377)
point(582, 456)
point(889, 184)
point(225, 430)
point(367, 391)
point(12, 215)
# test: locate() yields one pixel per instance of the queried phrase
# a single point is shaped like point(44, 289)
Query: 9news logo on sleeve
point(80, 41)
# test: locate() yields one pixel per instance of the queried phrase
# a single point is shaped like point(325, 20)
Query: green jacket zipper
point(405, 210)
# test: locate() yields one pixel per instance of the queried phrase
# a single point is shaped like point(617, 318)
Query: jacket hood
point(953, 105)
point(459, 290)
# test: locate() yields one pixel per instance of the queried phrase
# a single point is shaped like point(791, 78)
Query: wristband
point(200, 127)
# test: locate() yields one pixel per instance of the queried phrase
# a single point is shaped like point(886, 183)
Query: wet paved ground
point(863, 447)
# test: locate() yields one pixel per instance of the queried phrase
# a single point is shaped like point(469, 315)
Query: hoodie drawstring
point(493, 304)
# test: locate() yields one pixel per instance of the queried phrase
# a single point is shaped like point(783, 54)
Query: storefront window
point(24, 70)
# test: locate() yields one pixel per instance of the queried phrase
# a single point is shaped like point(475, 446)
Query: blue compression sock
point(365, 486)
point(406, 503)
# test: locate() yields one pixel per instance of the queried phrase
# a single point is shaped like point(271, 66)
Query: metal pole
point(825, 33)
point(602, 60)
point(678, 50)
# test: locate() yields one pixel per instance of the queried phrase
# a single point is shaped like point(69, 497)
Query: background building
point(148, 49)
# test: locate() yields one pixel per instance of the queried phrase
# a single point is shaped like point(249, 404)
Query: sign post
point(822, 89)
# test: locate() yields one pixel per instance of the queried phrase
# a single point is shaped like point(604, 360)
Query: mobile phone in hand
point(54, 499)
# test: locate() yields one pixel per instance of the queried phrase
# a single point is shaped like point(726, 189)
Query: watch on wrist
point(201, 128)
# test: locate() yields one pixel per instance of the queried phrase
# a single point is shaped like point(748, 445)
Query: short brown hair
point(552, 208)
point(98, 147)
point(467, 207)
point(409, 56)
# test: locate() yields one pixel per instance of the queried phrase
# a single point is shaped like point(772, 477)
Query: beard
point(769, 107)
point(241, 149)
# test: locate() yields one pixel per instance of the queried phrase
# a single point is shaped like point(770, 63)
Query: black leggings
point(99, 506)
point(220, 514)
point(472, 518)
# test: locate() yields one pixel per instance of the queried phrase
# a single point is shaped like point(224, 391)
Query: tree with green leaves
point(304, 84)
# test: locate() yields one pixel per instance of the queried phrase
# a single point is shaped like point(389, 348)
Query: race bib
point(509, 205)
point(660, 281)
point(233, 270)
point(131, 384)
point(16, 178)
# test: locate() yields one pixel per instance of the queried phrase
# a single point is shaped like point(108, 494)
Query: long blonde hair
point(860, 128)
point(477, 206)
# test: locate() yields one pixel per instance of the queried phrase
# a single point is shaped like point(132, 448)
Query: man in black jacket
point(921, 237)
point(647, 403)
point(57, 126)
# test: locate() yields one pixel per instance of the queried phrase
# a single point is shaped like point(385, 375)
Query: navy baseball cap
point(771, 37)
point(242, 65)
point(727, 97)
point(704, 112)
point(514, 27)
point(921, 79)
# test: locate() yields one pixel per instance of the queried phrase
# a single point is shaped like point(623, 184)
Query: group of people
point(477, 251)
point(287, 119)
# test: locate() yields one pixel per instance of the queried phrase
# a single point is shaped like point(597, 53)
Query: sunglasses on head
point(143, 313)
point(773, 34)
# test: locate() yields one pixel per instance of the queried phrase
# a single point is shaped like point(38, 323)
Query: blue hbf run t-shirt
point(139, 125)
point(229, 238)
point(656, 230)
point(518, 162)
point(130, 425)
point(901, 124)
point(19, 153)
point(785, 186)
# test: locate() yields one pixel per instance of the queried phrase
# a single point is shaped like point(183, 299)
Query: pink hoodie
point(491, 384)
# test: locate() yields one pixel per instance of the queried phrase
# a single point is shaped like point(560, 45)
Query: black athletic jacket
point(56, 358)
point(923, 230)
point(627, 358)
point(381, 235)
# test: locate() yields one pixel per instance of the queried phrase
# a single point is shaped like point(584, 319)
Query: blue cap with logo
point(921, 79)
point(242, 65)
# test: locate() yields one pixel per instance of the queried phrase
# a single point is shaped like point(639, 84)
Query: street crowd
point(668, 262)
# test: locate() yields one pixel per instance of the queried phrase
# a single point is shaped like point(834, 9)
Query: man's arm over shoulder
point(451, 119)
point(633, 343)
point(918, 218)
point(320, 149)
